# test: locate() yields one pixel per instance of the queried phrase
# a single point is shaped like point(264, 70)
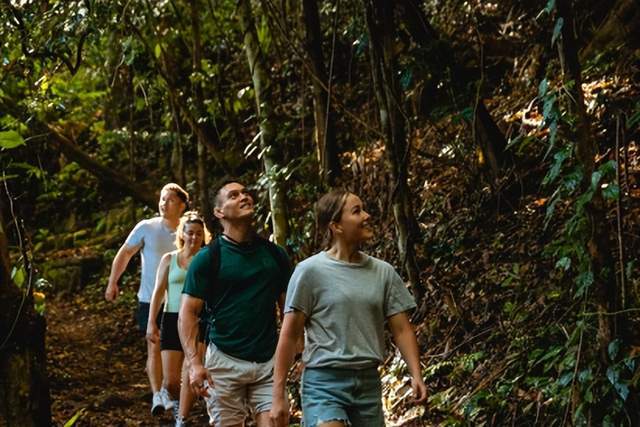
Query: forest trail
point(96, 360)
point(496, 147)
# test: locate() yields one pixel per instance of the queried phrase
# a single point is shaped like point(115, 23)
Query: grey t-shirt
point(345, 305)
point(156, 240)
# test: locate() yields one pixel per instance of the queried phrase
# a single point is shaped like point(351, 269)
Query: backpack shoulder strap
point(278, 255)
point(214, 257)
point(214, 254)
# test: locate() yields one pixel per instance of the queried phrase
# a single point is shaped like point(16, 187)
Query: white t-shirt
point(156, 240)
point(345, 305)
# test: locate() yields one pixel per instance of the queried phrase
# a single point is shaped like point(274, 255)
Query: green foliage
point(550, 113)
point(557, 30)
point(577, 370)
point(568, 369)
point(18, 275)
point(551, 4)
point(29, 170)
point(75, 418)
point(131, 104)
point(264, 35)
point(634, 120)
point(10, 139)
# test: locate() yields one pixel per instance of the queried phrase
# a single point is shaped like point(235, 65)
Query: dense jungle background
point(494, 143)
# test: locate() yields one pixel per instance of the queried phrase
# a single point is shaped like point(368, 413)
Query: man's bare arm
point(188, 316)
point(119, 264)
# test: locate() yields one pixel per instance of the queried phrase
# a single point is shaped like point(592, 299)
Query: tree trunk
point(132, 138)
point(76, 154)
point(488, 135)
point(599, 246)
point(196, 123)
point(379, 17)
point(203, 188)
point(203, 182)
point(177, 153)
point(24, 388)
point(416, 22)
point(325, 135)
point(264, 98)
point(490, 139)
point(103, 173)
point(620, 26)
point(5, 263)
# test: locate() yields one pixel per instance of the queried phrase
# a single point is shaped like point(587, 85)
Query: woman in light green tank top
point(190, 237)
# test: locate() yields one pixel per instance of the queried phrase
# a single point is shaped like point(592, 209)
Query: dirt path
point(96, 360)
point(96, 363)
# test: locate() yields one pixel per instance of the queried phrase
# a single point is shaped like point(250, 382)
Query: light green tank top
point(174, 286)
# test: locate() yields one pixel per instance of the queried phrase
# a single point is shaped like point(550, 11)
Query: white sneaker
point(176, 408)
point(157, 404)
point(167, 403)
point(180, 422)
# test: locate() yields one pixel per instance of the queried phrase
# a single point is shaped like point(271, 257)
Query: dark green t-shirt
point(244, 297)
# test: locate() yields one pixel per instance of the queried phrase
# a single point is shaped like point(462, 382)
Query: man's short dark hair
point(217, 196)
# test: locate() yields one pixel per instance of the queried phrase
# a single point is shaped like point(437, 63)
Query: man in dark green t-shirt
point(240, 294)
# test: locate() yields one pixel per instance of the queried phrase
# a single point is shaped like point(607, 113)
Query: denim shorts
point(353, 396)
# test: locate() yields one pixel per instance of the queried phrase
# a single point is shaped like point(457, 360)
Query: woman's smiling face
point(193, 235)
point(353, 224)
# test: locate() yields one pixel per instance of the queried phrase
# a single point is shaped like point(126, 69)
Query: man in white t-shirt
point(153, 238)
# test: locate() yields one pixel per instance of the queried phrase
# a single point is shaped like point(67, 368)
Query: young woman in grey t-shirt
point(341, 298)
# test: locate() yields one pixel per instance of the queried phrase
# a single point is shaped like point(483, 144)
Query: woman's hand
point(290, 333)
point(405, 339)
point(419, 390)
point(153, 333)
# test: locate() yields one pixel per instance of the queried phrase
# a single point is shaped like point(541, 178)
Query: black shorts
point(142, 316)
point(169, 339)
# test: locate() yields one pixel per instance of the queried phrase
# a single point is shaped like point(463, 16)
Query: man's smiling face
point(234, 202)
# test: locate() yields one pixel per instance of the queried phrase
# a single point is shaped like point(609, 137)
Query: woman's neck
point(344, 251)
point(185, 255)
point(188, 252)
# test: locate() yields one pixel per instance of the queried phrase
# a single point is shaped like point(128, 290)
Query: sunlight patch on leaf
point(18, 275)
point(611, 191)
point(75, 418)
point(10, 139)
point(564, 263)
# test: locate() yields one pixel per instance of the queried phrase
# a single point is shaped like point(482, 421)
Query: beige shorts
point(239, 387)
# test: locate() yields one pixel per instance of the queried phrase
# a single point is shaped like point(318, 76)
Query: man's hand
point(119, 264)
point(419, 390)
point(279, 412)
point(112, 291)
point(198, 374)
